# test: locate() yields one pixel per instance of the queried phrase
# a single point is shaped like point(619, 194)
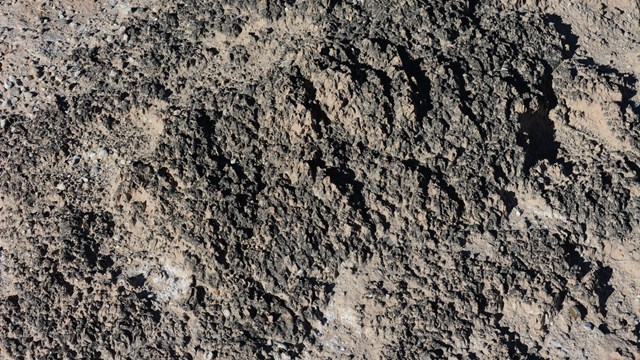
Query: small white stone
point(103, 153)
point(124, 9)
point(15, 91)
point(61, 187)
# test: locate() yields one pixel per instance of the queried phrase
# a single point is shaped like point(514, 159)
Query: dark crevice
point(62, 103)
point(424, 173)
point(515, 79)
point(166, 175)
point(472, 10)
point(316, 164)
point(536, 134)
point(137, 281)
point(331, 6)
point(517, 349)
point(575, 261)
point(420, 85)
point(565, 30)
point(91, 254)
point(603, 288)
point(345, 181)
point(206, 125)
point(633, 166)
point(509, 199)
point(604, 329)
point(536, 137)
point(59, 278)
point(104, 263)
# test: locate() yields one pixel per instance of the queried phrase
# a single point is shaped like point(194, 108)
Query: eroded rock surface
point(318, 179)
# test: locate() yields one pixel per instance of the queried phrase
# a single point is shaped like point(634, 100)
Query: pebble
point(103, 153)
point(3, 123)
point(575, 312)
point(36, 72)
point(61, 187)
point(124, 9)
point(7, 84)
point(27, 95)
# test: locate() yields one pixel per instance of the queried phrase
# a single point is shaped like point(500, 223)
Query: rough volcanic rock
point(318, 179)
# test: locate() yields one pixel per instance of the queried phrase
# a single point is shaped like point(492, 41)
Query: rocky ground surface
point(319, 179)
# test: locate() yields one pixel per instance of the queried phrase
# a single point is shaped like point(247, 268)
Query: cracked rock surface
point(319, 179)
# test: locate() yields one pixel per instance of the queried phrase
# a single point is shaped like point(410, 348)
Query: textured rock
point(318, 179)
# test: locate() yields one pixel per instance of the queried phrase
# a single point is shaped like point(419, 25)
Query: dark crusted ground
point(315, 179)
